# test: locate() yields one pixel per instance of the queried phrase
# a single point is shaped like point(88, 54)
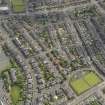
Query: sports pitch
point(18, 5)
point(86, 82)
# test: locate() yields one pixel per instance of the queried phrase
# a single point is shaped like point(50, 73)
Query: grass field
point(92, 79)
point(15, 94)
point(84, 83)
point(79, 86)
point(18, 5)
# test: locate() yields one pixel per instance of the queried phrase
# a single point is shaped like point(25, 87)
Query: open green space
point(92, 79)
point(15, 94)
point(79, 86)
point(87, 81)
point(18, 5)
point(14, 89)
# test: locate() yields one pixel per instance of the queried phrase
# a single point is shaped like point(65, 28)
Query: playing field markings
point(88, 81)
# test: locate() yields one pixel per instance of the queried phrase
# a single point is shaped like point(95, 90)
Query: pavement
point(4, 61)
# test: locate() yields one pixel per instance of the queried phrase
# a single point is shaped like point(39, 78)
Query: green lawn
point(84, 83)
point(79, 86)
point(92, 79)
point(18, 5)
point(15, 95)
